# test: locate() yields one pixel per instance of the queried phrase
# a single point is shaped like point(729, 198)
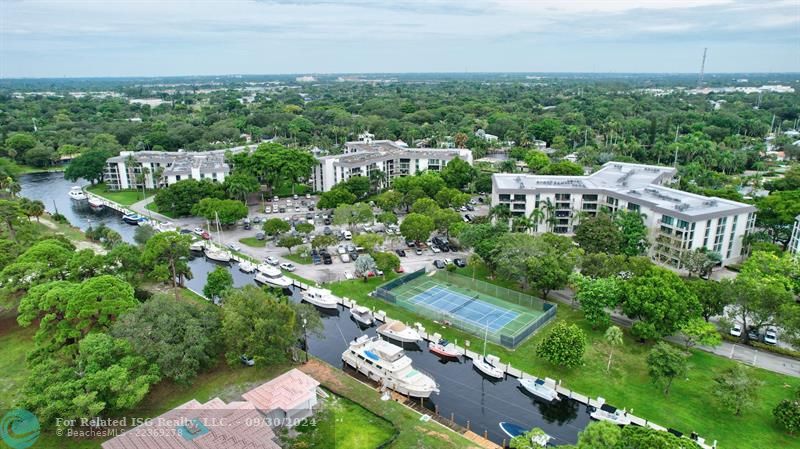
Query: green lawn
point(253, 242)
point(411, 432)
point(689, 407)
point(123, 197)
point(153, 207)
point(297, 258)
point(346, 424)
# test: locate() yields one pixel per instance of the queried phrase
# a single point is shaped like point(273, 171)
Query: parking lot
point(337, 269)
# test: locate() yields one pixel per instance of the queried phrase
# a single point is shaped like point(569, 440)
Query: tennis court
point(471, 305)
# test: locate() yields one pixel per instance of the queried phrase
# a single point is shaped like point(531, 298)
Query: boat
point(217, 254)
point(482, 365)
point(320, 297)
point(197, 245)
point(362, 315)
point(513, 430)
point(611, 414)
point(247, 267)
point(76, 193)
point(442, 350)
point(545, 389)
point(165, 227)
point(132, 218)
point(397, 330)
point(386, 363)
point(272, 276)
point(96, 203)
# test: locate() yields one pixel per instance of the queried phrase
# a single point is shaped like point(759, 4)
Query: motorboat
point(197, 245)
point(487, 368)
point(543, 388)
point(164, 227)
point(247, 267)
point(513, 430)
point(76, 193)
point(272, 276)
point(96, 203)
point(442, 349)
point(132, 218)
point(362, 315)
point(320, 297)
point(611, 414)
point(387, 364)
point(397, 330)
point(217, 254)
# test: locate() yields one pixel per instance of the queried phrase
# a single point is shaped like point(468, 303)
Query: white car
point(348, 275)
point(342, 250)
point(288, 202)
point(198, 231)
point(272, 260)
point(771, 337)
point(297, 208)
point(287, 266)
point(267, 210)
point(295, 196)
point(736, 330)
point(234, 247)
point(308, 196)
point(348, 235)
point(345, 257)
point(435, 249)
point(448, 261)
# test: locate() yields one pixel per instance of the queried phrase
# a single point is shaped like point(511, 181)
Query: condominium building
point(794, 243)
point(392, 159)
point(154, 169)
point(677, 221)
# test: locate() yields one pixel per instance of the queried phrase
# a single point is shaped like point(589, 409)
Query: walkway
point(769, 361)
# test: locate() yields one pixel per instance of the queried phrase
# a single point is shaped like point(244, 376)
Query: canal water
point(465, 393)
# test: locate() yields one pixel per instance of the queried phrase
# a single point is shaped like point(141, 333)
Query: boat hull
point(272, 282)
point(541, 392)
point(487, 369)
point(621, 420)
point(398, 387)
point(443, 352)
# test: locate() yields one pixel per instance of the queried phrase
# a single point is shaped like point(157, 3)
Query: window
point(589, 197)
point(633, 207)
point(505, 197)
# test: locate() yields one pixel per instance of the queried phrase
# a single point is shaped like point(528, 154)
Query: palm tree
point(613, 337)
point(536, 217)
point(501, 212)
point(130, 164)
point(474, 259)
point(549, 210)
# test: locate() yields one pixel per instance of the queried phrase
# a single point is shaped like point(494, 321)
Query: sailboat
point(215, 253)
point(482, 365)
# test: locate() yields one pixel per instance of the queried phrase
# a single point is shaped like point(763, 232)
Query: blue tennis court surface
point(480, 313)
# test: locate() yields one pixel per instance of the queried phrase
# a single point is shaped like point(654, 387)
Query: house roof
point(213, 425)
point(286, 392)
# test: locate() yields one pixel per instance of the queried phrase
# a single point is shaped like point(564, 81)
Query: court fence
point(510, 338)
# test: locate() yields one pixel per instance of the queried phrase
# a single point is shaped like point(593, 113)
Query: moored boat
point(320, 297)
point(76, 193)
point(96, 203)
point(362, 315)
point(442, 349)
point(217, 254)
point(513, 430)
point(611, 414)
point(197, 245)
point(543, 388)
point(132, 218)
point(386, 363)
point(272, 276)
point(247, 267)
point(397, 330)
point(487, 368)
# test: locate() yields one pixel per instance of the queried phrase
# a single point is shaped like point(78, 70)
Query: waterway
point(465, 393)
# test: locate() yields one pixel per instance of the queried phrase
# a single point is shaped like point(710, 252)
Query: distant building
point(305, 79)
point(125, 171)
point(486, 136)
point(677, 221)
point(794, 243)
point(368, 156)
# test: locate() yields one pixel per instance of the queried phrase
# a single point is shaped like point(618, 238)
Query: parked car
point(268, 210)
point(410, 243)
point(326, 221)
point(256, 219)
point(470, 207)
point(448, 261)
point(246, 361)
point(347, 235)
point(308, 196)
point(260, 236)
point(435, 249)
point(771, 337)
point(275, 198)
point(445, 248)
point(272, 260)
point(295, 196)
point(752, 334)
point(297, 208)
point(736, 330)
point(205, 235)
point(246, 225)
point(400, 269)
point(438, 264)
point(461, 263)
point(310, 207)
point(281, 209)
point(326, 258)
point(234, 246)
point(199, 231)
point(327, 230)
point(288, 266)
point(345, 257)
point(400, 252)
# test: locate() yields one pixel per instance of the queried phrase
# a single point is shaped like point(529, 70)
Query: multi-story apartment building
point(677, 221)
point(154, 169)
point(794, 243)
point(392, 159)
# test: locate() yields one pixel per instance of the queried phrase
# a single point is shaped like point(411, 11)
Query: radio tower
point(702, 68)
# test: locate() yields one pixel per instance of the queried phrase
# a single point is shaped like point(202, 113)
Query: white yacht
point(246, 266)
point(76, 193)
point(272, 276)
point(217, 254)
point(320, 297)
point(611, 414)
point(543, 388)
point(362, 315)
point(386, 363)
point(197, 245)
point(397, 330)
point(164, 227)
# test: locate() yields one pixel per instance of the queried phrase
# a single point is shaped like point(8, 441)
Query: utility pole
point(702, 69)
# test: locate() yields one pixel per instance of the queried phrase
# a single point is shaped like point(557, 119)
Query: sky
point(83, 38)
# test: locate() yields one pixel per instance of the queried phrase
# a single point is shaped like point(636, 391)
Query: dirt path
point(79, 244)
